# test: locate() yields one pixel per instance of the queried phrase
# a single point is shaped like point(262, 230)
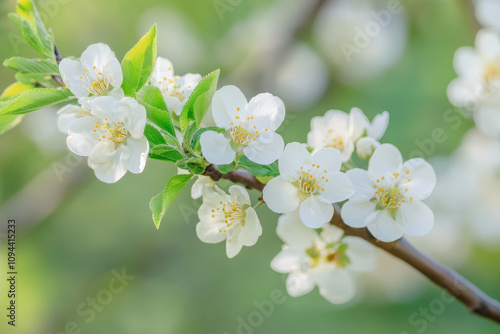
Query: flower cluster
point(108, 127)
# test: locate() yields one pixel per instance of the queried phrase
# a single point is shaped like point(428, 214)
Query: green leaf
point(139, 63)
point(30, 25)
point(8, 122)
point(36, 66)
point(160, 203)
point(256, 169)
point(153, 136)
point(224, 169)
point(199, 101)
point(35, 79)
point(152, 99)
point(33, 99)
point(189, 134)
point(165, 152)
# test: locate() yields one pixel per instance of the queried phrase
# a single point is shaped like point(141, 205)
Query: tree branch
point(464, 291)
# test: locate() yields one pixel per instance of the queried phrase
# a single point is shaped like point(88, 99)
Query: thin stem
point(464, 291)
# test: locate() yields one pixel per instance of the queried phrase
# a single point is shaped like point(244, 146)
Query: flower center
point(96, 82)
point(333, 253)
point(311, 179)
point(334, 140)
point(391, 192)
point(243, 131)
point(228, 214)
point(114, 132)
point(169, 87)
point(492, 71)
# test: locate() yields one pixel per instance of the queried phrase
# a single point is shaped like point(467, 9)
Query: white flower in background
point(68, 114)
point(341, 130)
point(488, 12)
point(478, 82)
point(325, 259)
point(388, 196)
point(200, 185)
point(98, 73)
point(311, 182)
point(362, 38)
point(112, 137)
point(228, 217)
point(250, 127)
point(175, 89)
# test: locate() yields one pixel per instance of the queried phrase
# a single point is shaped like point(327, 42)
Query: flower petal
point(422, 176)
point(292, 158)
point(288, 260)
point(233, 246)
point(226, 103)
point(280, 195)
point(252, 230)
point(163, 69)
point(329, 159)
point(335, 285)
point(106, 163)
point(97, 55)
point(385, 159)
point(71, 72)
point(216, 148)
point(338, 188)
point(209, 233)
point(360, 253)
point(293, 232)
point(265, 153)
point(134, 116)
point(356, 211)
point(384, 227)
point(135, 154)
point(416, 218)
point(316, 211)
point(241, 194)
point(378, 126)
point(299, 283)
point(361, 181)
point(268, 111)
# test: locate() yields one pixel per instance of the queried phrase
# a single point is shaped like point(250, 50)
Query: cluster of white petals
point(310, 182)
point(325, 259)
point(228, 217)
point(175, 89)
point(347, 132)
point(388, 198)
point(108, 128)
point(251, 128)
point(477, 87)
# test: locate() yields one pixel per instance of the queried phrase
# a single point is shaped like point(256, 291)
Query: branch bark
point(464, 291)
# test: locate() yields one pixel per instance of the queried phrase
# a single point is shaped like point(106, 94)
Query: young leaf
point(152, 99)
point(36, 66)
point(199, 101)
point(224, 169)
point(256, 169)
point(139, 63)
point(33, 99)
point(8, 122)
point(160, 203)
point(165, 152)
point(30, 25)
point(34, 79)
point(153, 136)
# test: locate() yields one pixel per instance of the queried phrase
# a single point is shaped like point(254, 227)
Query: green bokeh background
point(182, 285)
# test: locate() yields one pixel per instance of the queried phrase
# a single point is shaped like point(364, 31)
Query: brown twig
point(467, 293)
point(58, 60)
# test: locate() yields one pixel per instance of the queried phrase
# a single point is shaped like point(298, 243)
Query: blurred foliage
point(182, 285)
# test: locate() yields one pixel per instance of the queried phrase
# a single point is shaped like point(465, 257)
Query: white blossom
point(98, 73)
point(388, 198)
point(341, 130)
point(175, 89)
point(228, 217)
point(325, 259)
point(250, 127)
point(112, 137)
point(477, 86)
point(68, 114)
point(311, 182)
